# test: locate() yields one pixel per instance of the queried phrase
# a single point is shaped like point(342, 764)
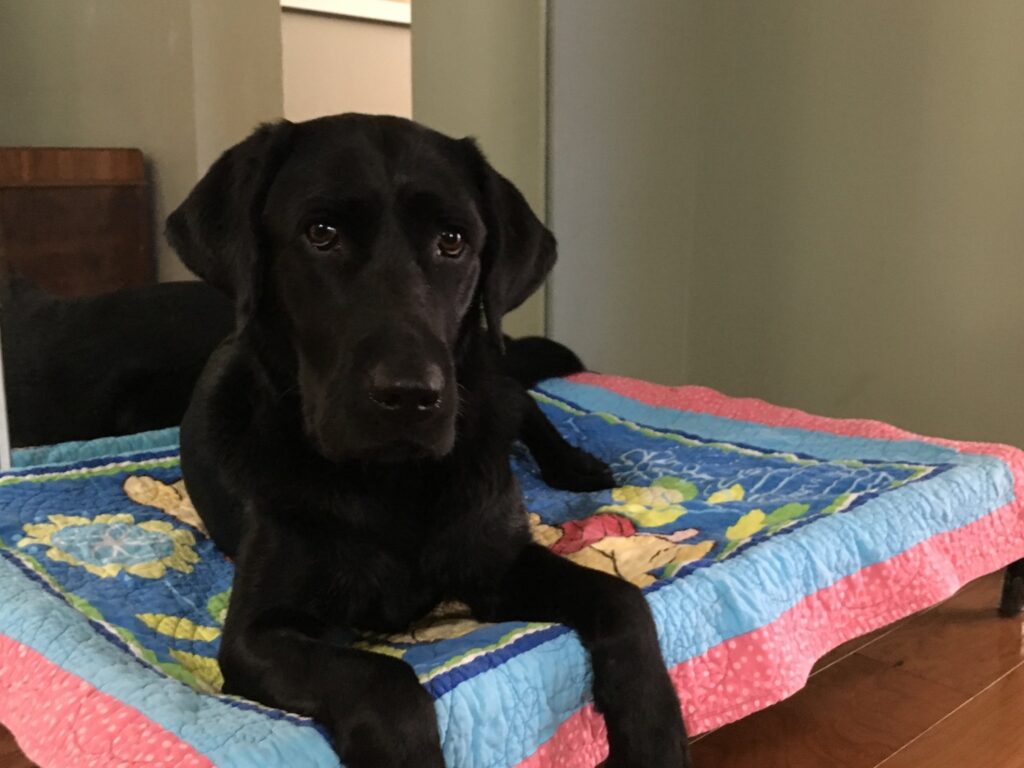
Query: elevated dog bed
point(764, 537)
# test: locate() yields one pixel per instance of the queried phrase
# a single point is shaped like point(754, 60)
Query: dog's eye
point(450, 243)
point(321, 235)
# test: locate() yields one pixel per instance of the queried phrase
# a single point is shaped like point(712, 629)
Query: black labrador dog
point(122, 362)
point(349, 443)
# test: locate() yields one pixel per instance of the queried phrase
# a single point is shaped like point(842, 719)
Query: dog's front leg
point(631, 687)
point(377, 712)
point(562, 465)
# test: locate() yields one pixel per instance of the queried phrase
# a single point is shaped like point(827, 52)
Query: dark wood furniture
point(76, 222)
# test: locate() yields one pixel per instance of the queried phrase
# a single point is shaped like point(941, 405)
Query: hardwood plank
point(962, 644)
point(76, 222)
point(835, 655)
point(70, 167)
point(977, 589)
point(77, 241)
point(851, 715)
point(10, 755)
point(987, 731)
point(856, 644)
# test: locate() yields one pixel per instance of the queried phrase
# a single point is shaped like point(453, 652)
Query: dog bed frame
point(763, 538)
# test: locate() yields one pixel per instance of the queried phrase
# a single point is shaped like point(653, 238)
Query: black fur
point(115, 364)
point(1012, 602)
point(532, 358)
point(349, 443)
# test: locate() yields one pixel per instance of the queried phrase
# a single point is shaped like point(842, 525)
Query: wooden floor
point(10, 755)
point(942, 689)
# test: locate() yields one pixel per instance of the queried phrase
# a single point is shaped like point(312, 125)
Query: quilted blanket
point(762, 536)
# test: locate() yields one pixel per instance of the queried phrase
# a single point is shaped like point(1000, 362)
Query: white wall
point(334, 64)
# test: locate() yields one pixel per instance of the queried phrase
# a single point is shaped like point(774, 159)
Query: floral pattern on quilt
point(124, 545)
point(106, 545)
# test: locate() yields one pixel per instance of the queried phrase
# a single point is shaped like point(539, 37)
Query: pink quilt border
point(59, 719)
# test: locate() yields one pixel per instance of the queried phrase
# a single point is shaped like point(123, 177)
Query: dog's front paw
point(393, 726)
point(656, 746)
point(656, 757)
point(648, 731)
point(390, 745)
point(577, 470)
point(1012, 602)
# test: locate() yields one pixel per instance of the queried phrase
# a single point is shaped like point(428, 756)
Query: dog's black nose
point(406, 395)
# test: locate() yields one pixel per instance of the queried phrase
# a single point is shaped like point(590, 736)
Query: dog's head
point(370, 246)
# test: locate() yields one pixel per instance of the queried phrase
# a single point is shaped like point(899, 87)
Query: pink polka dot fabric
point(61, 720)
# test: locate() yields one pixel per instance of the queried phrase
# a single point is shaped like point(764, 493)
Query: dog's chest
point(383, 589)
point(387, 577)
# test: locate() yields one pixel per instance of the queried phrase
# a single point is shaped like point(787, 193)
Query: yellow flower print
point(172, 499)
point(204, 670)
point(732, 493)
point(178, 627)
point(652, 506)
point(740, 531)
point(756, 521)
point(746, 526)
point(651, 496)
point(106, 545)
point(647, 517)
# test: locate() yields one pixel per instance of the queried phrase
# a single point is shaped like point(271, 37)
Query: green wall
point(478, 69)
point(859, 224)
point(179, 79)
point(816, 202)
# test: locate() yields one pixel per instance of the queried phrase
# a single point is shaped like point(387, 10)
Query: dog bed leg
point(1013, 590)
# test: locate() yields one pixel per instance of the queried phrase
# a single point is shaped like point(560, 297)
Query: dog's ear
point(520, 251)
point(217, 230)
